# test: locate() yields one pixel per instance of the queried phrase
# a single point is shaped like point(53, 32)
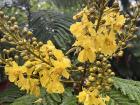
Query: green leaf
point(55, 97)
point(69, 101)
point(69, 98)
point(125, 92)
point(67, 3)
point(52, 25)
point(129, 88)
point(8, 96)
point(25, 100)
point(117, 98)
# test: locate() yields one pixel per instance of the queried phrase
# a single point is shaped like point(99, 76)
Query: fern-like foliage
point(117, 98)
point(52, 25)
point(67, 3)
point(10, 94)
point(125, 92)
point(48, 99)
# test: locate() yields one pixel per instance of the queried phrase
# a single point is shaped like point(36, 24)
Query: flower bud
point(16, 57)
point(12, 29)
point(2, 40)
point(13, 19)
point(1, 13)
point(88, 83)
point(109, 71)
point(120, 54)
point(110, 80)
point(90, 78)
point(34, 39)
point(43, 55)
point(12, 49)
point(101, 56)
point(108, 65)
point(100, 75)
point(135, 36)
point(10, 38)
point(4, 50)
point(99, 87)
point(29, 65)
point(34, 43)
point(40, 43)
point(15, 27)
point(98, 63)
point(9, 22)
point(25, 58)
point(21, 42)
point(107, 88)
point(112, 74)
point(22, 54)
point(30, 34)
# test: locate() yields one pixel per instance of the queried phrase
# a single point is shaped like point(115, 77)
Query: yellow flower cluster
point(93, 40)
point(98, 36)
point(33, 74)
point(92, 98)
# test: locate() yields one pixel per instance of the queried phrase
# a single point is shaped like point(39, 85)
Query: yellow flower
point(50, 75)
point(87, 54)
point(91, 98)
point(13, 71)
point(44, 77)
point(60, 67)
point(22, 83)
point(83, 28)
point(80, 14)
point(82, 96)
point(109, 45)
point(88, 51)
point(98, 42)
point(29, 84)
point(50, 45)
point(114, 19)
point(31, 69)
point(58, 54)
point(54, 77)
point(55, 87)
point(120, 20)
point(77, 29)
point(34, 87)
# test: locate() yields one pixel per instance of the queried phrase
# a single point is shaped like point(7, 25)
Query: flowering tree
point(100, 32)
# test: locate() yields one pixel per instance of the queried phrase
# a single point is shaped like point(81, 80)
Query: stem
point(28, 8)
point(69, 81)
point(101, 11)
point(37, 56)
point(84, 75)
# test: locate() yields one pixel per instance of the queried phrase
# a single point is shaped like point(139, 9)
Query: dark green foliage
point(52, 25)
point(125, 92)
point(136, 45)
point(69, 98)
point(129, 88)
point(10, 94)
point(48, 99)
point(117, 98)
point(25, 100)
point(67, 3)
